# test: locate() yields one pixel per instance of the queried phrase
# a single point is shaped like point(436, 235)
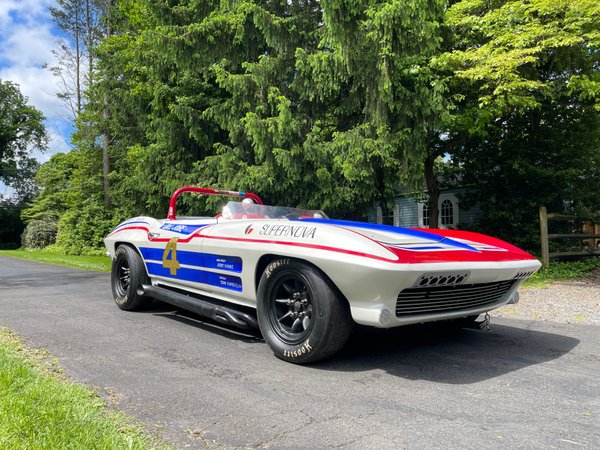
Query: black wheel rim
point(291, 312)
point(123, 278)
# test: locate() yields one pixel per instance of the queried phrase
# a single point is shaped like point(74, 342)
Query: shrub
point(81, 231)
point(39, 233)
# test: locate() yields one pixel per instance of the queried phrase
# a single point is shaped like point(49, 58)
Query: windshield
point(239, 210)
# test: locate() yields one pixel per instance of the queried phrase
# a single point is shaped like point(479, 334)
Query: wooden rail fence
point(545, 237)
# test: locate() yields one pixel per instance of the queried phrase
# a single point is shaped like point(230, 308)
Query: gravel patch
point(562, 302)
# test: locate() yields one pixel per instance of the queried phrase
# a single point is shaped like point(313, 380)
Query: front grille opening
point(428, 300)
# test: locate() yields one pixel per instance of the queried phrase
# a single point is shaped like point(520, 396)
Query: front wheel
point(127, 275)
point(301, 315)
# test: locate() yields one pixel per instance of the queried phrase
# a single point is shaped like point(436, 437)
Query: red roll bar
point(209, 191)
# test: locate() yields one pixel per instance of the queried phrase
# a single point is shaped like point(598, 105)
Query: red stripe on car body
point(404, 256)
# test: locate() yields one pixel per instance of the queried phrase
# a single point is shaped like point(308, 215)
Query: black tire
point(301, 315)
point(127, 275)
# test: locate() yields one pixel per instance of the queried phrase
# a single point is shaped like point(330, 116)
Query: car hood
point(432, 244)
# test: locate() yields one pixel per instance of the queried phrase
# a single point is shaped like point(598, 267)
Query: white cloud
point(27, 46)
point(25, 10)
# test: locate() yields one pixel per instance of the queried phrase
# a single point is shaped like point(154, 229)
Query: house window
point(425, 215)
point(386, 216)
point(447, 213)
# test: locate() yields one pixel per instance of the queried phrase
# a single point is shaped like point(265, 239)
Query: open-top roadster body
point(303, 278)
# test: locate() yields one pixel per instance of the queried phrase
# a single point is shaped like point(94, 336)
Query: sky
point(27, 38)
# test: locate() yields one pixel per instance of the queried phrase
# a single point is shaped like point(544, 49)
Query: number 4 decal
point(171, 263)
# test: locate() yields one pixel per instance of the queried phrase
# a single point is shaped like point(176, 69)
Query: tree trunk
point(105, 153)
point(433, 186)
point(106, 132)
point(77, 58)
point(90, 40)
point(433, 189)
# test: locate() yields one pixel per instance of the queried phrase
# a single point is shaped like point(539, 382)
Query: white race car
point(305, 279)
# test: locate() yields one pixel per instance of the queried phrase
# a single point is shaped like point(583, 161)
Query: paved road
point(525, 384)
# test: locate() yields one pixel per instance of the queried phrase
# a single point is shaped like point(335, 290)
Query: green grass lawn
point(39, 408)
point(96, 263)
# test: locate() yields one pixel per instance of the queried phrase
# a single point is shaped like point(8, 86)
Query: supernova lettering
point(297, 231)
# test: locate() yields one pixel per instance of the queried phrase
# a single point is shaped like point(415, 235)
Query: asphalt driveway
point(525, 384)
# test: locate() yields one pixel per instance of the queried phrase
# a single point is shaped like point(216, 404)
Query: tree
point(84, 23)
point(548, 156)
point(68, 17)
point(330, 104)
point(70, 194)
point(56, 188)
point(21, 131)
point(507, 58)
point(80, 23)
point(280, 97)
point(11, 225)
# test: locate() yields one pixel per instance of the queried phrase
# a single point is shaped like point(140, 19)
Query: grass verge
point(95, 263)
point(39, 408)
point(564, 270)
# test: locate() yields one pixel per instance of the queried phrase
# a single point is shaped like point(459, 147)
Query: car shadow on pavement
point(165, 310)
point(448, 355)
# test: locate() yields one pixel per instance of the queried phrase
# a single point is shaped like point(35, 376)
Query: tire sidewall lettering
point(331, 320)
point(274, 265)
point(301, 350)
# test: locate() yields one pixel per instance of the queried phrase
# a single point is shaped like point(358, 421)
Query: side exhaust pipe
point(218, 313)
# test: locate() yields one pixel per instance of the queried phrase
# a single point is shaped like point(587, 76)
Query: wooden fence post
point(544, 236)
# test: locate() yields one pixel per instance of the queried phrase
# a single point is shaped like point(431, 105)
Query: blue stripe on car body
point(391, 229)
point(182, 228)
point(197, 276)
point(206, 260)
point(129, 223)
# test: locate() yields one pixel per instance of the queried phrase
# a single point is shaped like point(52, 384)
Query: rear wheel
point(301, 316)
point(127, 275)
